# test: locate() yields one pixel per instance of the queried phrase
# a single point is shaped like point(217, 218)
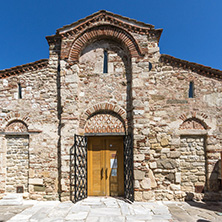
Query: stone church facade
point(106, 81)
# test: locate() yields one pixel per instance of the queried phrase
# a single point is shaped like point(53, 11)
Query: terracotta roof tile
point(200, 69)
point(23, 68)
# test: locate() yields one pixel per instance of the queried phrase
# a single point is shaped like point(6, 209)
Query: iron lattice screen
point(128, 168)
point(78, 169)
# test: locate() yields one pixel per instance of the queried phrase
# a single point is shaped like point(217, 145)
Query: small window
point(105, 63)
point(19, 91)
point(150, 66)
point(191, 90)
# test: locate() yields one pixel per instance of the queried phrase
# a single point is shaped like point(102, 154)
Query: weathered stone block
point(139, 157)
point(36, 181)
point(153, 165)
point(148, 195)
point(170, 177)
point(177, 177)
point(174, 154)
point(39, 188)
point(146, 183)
point(153, 183)
point(167, 164)
point(164, 142)
point(174, 187)
point(138, 196)
point(138, 174)
point(136, 184)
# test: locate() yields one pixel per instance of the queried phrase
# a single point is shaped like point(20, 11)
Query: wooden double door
point(105, 166)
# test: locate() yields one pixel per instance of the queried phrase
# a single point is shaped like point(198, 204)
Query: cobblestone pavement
point(195, 211)
point(6, 212)
point(95, 209)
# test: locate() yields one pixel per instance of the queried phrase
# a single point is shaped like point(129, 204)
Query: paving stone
point(77, 216)
point(137, 217)
point(106, 219)
point(124, 212)
point(41, 214)
point(104, 211)
point(78, 208)
point(124, 208)
point(111, 203)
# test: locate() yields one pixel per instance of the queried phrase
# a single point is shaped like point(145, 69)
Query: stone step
point(12, 199)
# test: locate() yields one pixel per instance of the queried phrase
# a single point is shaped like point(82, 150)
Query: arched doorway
point(193, 158)
point(102, 160)
point(105, 132)
point(17, 157)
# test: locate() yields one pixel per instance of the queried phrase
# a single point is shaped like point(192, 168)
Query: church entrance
point(105, 166)
point(101, 166)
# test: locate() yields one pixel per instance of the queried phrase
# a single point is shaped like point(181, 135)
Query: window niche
point(105, 61)
point(191, 90)
point(19, 91)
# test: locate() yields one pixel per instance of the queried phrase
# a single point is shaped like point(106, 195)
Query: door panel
point(96, 154)
point(105, 166)
point(115, 181)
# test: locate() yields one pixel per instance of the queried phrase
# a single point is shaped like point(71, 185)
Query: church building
point(108, 115)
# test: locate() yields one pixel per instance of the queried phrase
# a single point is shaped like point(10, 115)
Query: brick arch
point(194, 123)
point(13, 117)
point(103, 108)
point(104, 31)
point(194, 120)
point(16, 126)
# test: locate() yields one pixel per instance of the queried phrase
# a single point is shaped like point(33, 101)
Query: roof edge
point(23, 68)
point(196, 67)
point(126, 19)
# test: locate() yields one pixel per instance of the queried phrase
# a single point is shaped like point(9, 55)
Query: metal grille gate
point(78, 169)
point(128, 168)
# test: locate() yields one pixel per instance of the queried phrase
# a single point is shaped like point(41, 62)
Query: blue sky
point(192, 29)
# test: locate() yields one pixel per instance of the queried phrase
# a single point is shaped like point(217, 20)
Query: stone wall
point(37, 109)
point(158, 154)
point(17, 163)
point(193, 164)
point(156, 101)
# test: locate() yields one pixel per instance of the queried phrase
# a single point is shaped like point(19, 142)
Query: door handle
point(106, 173)
point(101, 173)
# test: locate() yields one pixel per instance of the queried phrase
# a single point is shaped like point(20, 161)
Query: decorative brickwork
point(192, 123)
point(104, 123)
point(105, 108)
point(110, 32)
point(16, 126)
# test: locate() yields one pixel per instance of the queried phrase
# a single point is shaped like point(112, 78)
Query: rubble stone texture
point(192, 163)
point(177, 140)
point(17, 163)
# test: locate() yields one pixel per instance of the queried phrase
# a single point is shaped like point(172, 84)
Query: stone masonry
point(17, 163)
point(192, 164)
point(177, 140)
